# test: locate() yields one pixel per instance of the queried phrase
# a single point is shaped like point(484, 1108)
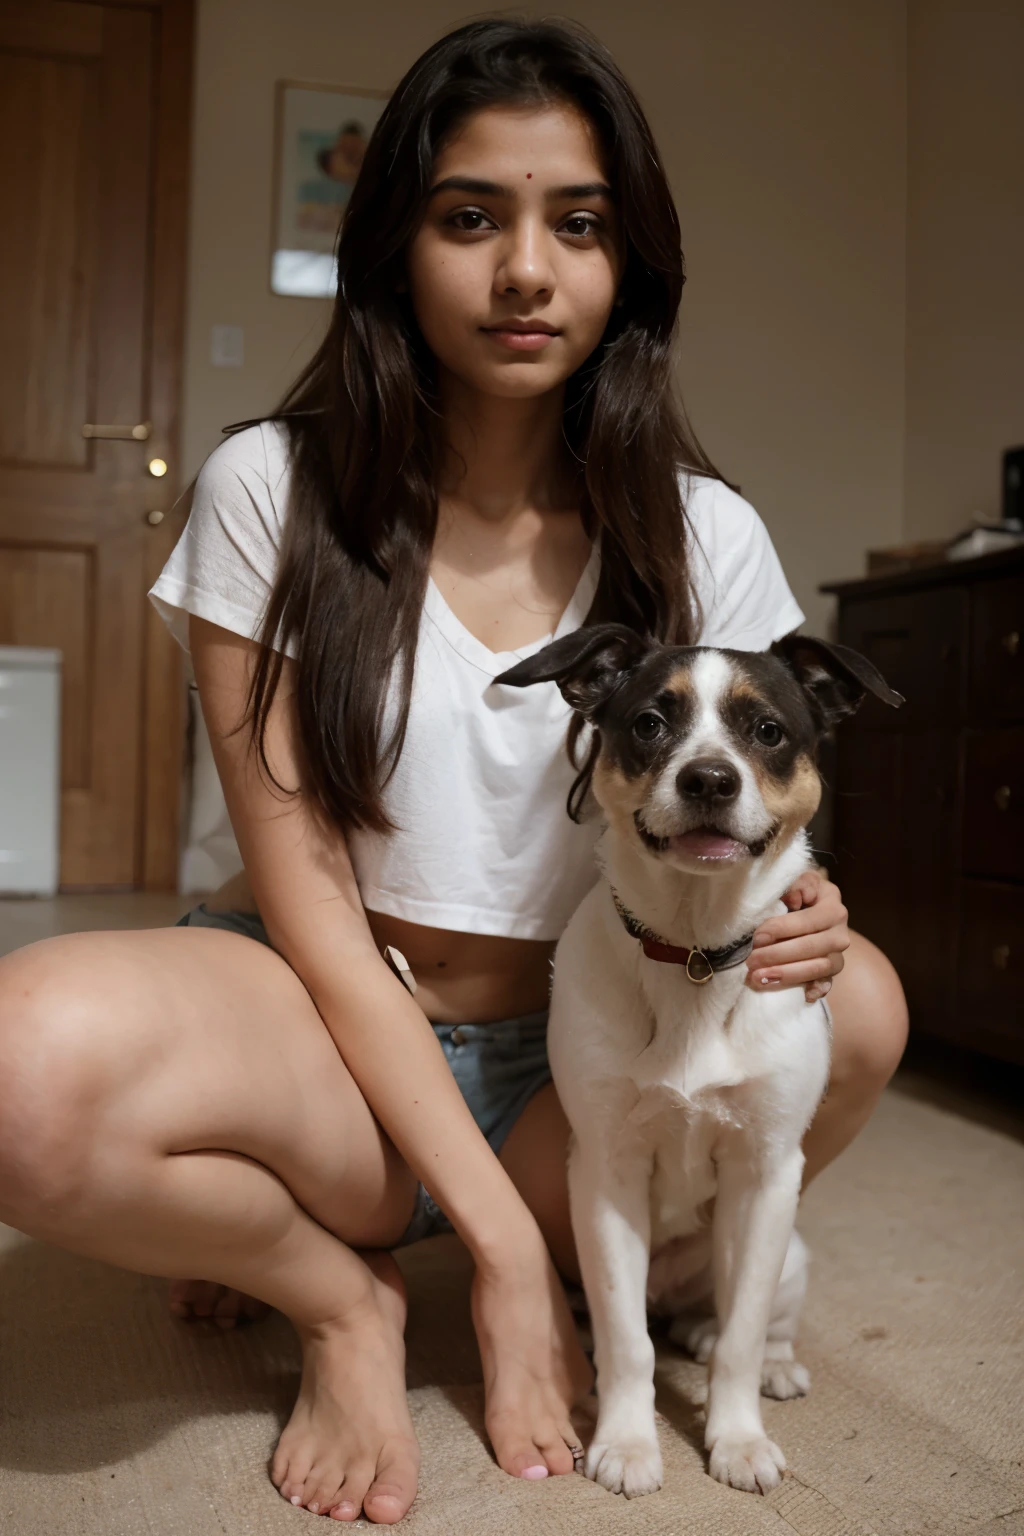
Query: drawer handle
point(1011, 642)
point(1001, 957)
point(1002, 797)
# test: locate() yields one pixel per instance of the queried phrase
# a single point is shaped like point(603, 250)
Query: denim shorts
point(498, 1066)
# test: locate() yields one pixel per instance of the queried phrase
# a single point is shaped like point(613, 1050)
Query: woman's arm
point(306, 892)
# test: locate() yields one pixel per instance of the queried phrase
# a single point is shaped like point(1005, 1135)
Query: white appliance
point(29, 771)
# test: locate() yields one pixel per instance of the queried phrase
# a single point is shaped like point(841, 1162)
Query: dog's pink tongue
point(707, 845)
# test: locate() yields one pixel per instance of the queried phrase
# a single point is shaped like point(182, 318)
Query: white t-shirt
point(484, 844)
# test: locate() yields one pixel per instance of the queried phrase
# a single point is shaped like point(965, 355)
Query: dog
point(687, 1093)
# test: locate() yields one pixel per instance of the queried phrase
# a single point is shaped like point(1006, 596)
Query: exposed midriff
point(461, 978)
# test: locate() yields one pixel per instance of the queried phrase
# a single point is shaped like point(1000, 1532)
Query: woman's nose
point(525, 268)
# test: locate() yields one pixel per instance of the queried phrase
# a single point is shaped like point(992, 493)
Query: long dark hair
point(363, 417)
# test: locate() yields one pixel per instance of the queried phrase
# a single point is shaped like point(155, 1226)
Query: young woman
point(483, 453)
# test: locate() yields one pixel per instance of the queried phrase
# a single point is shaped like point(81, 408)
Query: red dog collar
point(700, 964)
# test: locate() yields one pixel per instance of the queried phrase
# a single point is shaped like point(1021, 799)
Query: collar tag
point(698, 968)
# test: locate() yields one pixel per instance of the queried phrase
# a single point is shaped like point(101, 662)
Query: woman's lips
point(520, 341)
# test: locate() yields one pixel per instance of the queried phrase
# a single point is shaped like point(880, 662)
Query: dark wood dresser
point(929, 799)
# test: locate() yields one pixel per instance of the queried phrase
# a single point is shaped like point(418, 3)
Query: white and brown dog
point(688, 1093)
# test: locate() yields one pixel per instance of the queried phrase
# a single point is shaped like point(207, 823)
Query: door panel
point(49, 107)
point(78, 97)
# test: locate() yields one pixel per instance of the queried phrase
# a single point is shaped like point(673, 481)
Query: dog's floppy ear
point(835, 678)
point(587, 665)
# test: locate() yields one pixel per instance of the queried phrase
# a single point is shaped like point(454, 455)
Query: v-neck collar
point(494, 662)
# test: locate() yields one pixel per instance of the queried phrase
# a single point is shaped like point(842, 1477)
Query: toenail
point(313, 1508)
point(295, 1499)
point(342, 1511)
point(534, 1472)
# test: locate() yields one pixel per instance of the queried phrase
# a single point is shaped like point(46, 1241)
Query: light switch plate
point(227, 346)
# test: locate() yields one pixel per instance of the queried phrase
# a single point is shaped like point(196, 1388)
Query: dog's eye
point(648, 727)
point(768, 733)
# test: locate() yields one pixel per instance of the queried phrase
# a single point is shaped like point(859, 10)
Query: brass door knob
point(154, 519)
point(1001, 957)
point(1002, 797)
point(1011, 642)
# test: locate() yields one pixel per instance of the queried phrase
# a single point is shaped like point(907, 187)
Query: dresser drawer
point(993, 824)
point(896, 840)
point(997, 649)
point(990, 990)
point(918, 642)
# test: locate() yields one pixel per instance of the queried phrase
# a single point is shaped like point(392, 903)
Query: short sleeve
point(745, 600)
point(222, 568)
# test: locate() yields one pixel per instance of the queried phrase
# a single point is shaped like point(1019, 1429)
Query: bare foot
point(534, 1368)
point(349, 1446)
point(204, 1298)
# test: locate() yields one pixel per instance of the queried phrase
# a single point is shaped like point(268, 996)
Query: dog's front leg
point(611, 1219)
point(755, 1208)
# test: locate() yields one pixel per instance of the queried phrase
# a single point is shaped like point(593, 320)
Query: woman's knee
point(870, 1018)
point(54, 1073)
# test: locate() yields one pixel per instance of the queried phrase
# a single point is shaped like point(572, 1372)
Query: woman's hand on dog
point(803, 948)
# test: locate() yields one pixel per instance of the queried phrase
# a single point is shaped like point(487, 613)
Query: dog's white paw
point(697, 1335)
point(632, 1467)
point(785, 1378)
point(754, 1464)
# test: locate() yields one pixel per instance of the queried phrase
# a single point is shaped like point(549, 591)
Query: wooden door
point(93, 117)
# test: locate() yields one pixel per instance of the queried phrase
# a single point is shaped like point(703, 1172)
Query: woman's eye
point(470, 220)
point(648, 727)
point(768, 733)
point(580, 225)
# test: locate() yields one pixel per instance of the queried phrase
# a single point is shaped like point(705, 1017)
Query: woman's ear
point(587, 665)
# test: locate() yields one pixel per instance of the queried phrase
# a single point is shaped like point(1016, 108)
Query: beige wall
point(965, 257)
point(782, 126)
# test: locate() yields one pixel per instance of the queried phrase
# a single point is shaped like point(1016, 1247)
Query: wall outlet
point(227, 346)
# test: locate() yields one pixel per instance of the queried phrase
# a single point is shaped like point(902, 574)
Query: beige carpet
point(116, 1421)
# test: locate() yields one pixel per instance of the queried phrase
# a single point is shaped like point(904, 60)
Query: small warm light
point(157, 467)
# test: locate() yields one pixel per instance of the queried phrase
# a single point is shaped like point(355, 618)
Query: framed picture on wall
point(320, 137)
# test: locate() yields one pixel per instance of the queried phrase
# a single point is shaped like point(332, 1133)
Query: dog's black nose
point(706, 779)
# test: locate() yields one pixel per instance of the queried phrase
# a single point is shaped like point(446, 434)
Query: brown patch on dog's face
point(619, 795)
point(790, 802)
point(640, 728)
point(680, 683)
point(767, 714)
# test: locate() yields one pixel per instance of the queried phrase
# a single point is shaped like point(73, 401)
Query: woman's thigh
point(185, 1039)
